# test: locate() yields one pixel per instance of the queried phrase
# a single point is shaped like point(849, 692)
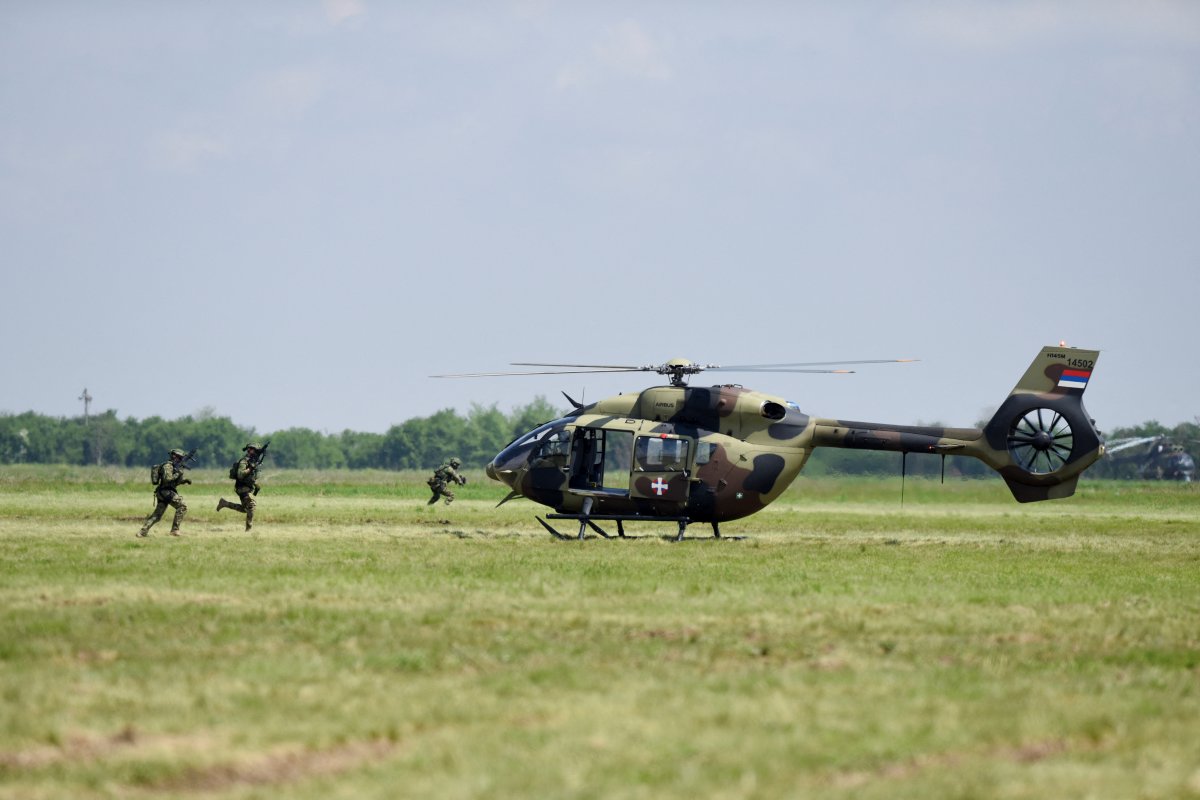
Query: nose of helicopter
point(506, 472)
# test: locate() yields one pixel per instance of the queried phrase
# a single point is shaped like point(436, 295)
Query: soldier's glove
point(188, 481)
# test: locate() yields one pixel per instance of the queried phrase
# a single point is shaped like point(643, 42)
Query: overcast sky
point(294, 212)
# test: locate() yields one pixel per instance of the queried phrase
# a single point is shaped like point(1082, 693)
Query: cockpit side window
point(556, 443)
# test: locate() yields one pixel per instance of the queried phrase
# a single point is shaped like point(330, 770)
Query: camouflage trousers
point(245, 507)
point(162, 500)
point(440, 489)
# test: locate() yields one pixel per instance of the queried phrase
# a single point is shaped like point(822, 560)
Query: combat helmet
point(254, 445)
point(454, 462)
point(177, 452)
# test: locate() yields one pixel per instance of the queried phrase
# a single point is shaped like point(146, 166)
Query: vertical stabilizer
point(1042, 434)
point(1058, 369)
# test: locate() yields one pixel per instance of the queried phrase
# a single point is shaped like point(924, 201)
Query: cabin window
point(655, 454)
point(618, 458)
point(704, 452)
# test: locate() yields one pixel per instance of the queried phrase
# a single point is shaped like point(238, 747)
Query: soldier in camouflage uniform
point(245, 483)
point(171, 476)
point(443, 476)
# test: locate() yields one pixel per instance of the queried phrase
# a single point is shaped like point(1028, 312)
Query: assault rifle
point(191, 456)
point(262, 454)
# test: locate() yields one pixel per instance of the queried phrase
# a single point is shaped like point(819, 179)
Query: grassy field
point(362, 644)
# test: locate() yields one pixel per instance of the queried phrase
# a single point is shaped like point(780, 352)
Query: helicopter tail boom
point(1040, 439)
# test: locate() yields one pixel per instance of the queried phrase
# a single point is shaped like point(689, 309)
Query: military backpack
point(156, 474)
point(233, 471)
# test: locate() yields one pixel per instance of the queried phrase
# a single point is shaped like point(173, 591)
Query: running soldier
point(443, 476)
point(245, 481)
point(167, 477)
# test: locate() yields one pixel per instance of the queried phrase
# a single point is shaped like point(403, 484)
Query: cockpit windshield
point(536, 434)
point(547, 439)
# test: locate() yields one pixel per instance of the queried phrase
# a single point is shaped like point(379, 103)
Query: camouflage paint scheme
point(167, 494)
point(744, 448)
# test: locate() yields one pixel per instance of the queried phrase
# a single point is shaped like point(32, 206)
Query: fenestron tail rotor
point(1040, 441)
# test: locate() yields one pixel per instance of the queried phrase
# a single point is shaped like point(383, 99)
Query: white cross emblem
point(659, 486)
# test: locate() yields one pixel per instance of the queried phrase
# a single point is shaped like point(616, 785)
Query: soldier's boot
point(222, 503)
point(175, 532)
point(143, 533)
point(433, 499)
point(249, 519)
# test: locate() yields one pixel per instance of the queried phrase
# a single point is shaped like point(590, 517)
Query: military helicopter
point(1158, 458)
point(685, 454)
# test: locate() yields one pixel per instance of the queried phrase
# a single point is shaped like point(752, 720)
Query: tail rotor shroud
point(1041, 441)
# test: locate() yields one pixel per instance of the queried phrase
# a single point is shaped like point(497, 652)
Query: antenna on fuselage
point(574, 403)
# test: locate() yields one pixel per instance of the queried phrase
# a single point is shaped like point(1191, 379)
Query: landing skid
point(589, 521)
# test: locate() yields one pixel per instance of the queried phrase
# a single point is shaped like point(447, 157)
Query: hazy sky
point(294, 212)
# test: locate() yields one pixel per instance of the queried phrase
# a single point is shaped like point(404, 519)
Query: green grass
point(362, 644)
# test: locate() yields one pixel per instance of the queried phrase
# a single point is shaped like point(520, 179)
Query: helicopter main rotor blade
point(820, 363)
point(581, 366)
point(676, 369)
point(548, 372)
point(776, 369)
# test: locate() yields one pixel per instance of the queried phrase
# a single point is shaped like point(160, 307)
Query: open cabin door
point(601, 459)
point(660, 464)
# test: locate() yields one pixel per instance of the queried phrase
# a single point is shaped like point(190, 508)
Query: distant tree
point(528, 417)
point(152, 438)
point(105, 439)
point(423, 442)
point(487, 432)
point(433, 439)
point(304, 448)
point(217, 440)
point(361, 450)
point(14, 439)
point(48, 440)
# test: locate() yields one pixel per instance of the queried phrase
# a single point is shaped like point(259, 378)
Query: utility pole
point(87, 401)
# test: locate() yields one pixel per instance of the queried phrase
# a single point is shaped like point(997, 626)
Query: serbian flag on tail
point(1074, 378)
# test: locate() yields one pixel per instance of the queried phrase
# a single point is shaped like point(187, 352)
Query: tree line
point(418, 443)
point(423, 443)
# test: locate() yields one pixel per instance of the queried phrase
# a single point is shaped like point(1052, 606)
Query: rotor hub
point(677, 370)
